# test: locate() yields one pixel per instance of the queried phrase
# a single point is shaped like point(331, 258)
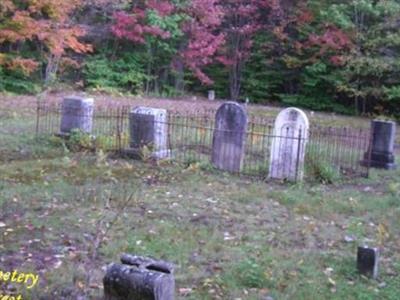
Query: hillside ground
point(65, 215)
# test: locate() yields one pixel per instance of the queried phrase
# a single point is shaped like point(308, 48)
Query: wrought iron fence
point(331, 151)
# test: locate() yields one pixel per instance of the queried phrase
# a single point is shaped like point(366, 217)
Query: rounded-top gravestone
point(76, 113)
point(289, 142)
point(229, 137)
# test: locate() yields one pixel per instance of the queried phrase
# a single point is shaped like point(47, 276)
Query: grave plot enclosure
point(230, 139)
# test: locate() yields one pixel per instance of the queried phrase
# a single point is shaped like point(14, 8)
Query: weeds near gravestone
point(321, 171)
point(79, 140)
point(106, 222)
point(382, 234)
point(394, 189)
point(146, 152)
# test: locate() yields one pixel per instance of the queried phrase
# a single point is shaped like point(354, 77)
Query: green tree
point(372, 69)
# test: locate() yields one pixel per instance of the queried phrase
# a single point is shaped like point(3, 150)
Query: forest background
point(331, 55)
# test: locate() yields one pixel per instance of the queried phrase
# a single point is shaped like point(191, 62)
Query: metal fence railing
point(330, 151)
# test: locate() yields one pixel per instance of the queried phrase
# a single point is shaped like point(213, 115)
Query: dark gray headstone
point(148, 127)
point(367, 261)
point(381, 154)
point(76, 113)
point(229, 137)
point(139, 278)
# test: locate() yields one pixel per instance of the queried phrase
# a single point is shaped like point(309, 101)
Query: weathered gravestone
point(76, 113)
point(211, 95)
point(148, 128)
point(139, 278)
point(381, 154)
point(229, 137)
point(289, 142)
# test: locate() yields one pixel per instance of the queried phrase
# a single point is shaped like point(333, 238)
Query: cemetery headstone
point(76, 113)
point(289, 142)
point(229, 137)
point(367, 261)
point(148, 128)
point(211, 95)
point(381, 154)
point(139, 278)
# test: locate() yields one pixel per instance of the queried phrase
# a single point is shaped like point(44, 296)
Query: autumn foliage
point(38, 24)
point(320, 54)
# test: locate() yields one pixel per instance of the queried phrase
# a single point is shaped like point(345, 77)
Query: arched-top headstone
point(229, 137)
point(148, 127)
point(77, 113)
point(289, 144)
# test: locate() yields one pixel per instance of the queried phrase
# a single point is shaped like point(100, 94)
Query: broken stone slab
point(139, 278)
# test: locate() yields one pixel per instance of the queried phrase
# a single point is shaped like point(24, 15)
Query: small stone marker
point(211, 95)
point(139, 278)
point(229, 137)
point(76, 113)
point(382, 148)
point(367, 261)
point(289, 145)
point(148, 127)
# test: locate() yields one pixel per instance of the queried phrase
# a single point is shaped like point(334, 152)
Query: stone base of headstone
point(138, 153)
point(139, 278)
point(367, 261)
point(379, 160)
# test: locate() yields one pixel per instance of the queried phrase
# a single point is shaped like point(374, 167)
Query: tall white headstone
point(289, 145)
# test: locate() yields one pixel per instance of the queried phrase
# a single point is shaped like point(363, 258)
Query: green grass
point(67, 215)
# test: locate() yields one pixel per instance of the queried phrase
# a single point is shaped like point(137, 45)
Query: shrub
point(79, 140)
point(123, 74)
point(16, 82)
point(322, 171)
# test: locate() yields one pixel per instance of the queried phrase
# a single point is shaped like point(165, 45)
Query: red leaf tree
point(204, 37)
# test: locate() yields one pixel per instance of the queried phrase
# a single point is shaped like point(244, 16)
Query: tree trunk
point(53, 62)
point(179, 78)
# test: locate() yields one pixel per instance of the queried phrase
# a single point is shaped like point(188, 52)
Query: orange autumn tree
point(42, 28)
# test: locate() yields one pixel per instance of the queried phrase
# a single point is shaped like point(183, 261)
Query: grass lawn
point(65, 216)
